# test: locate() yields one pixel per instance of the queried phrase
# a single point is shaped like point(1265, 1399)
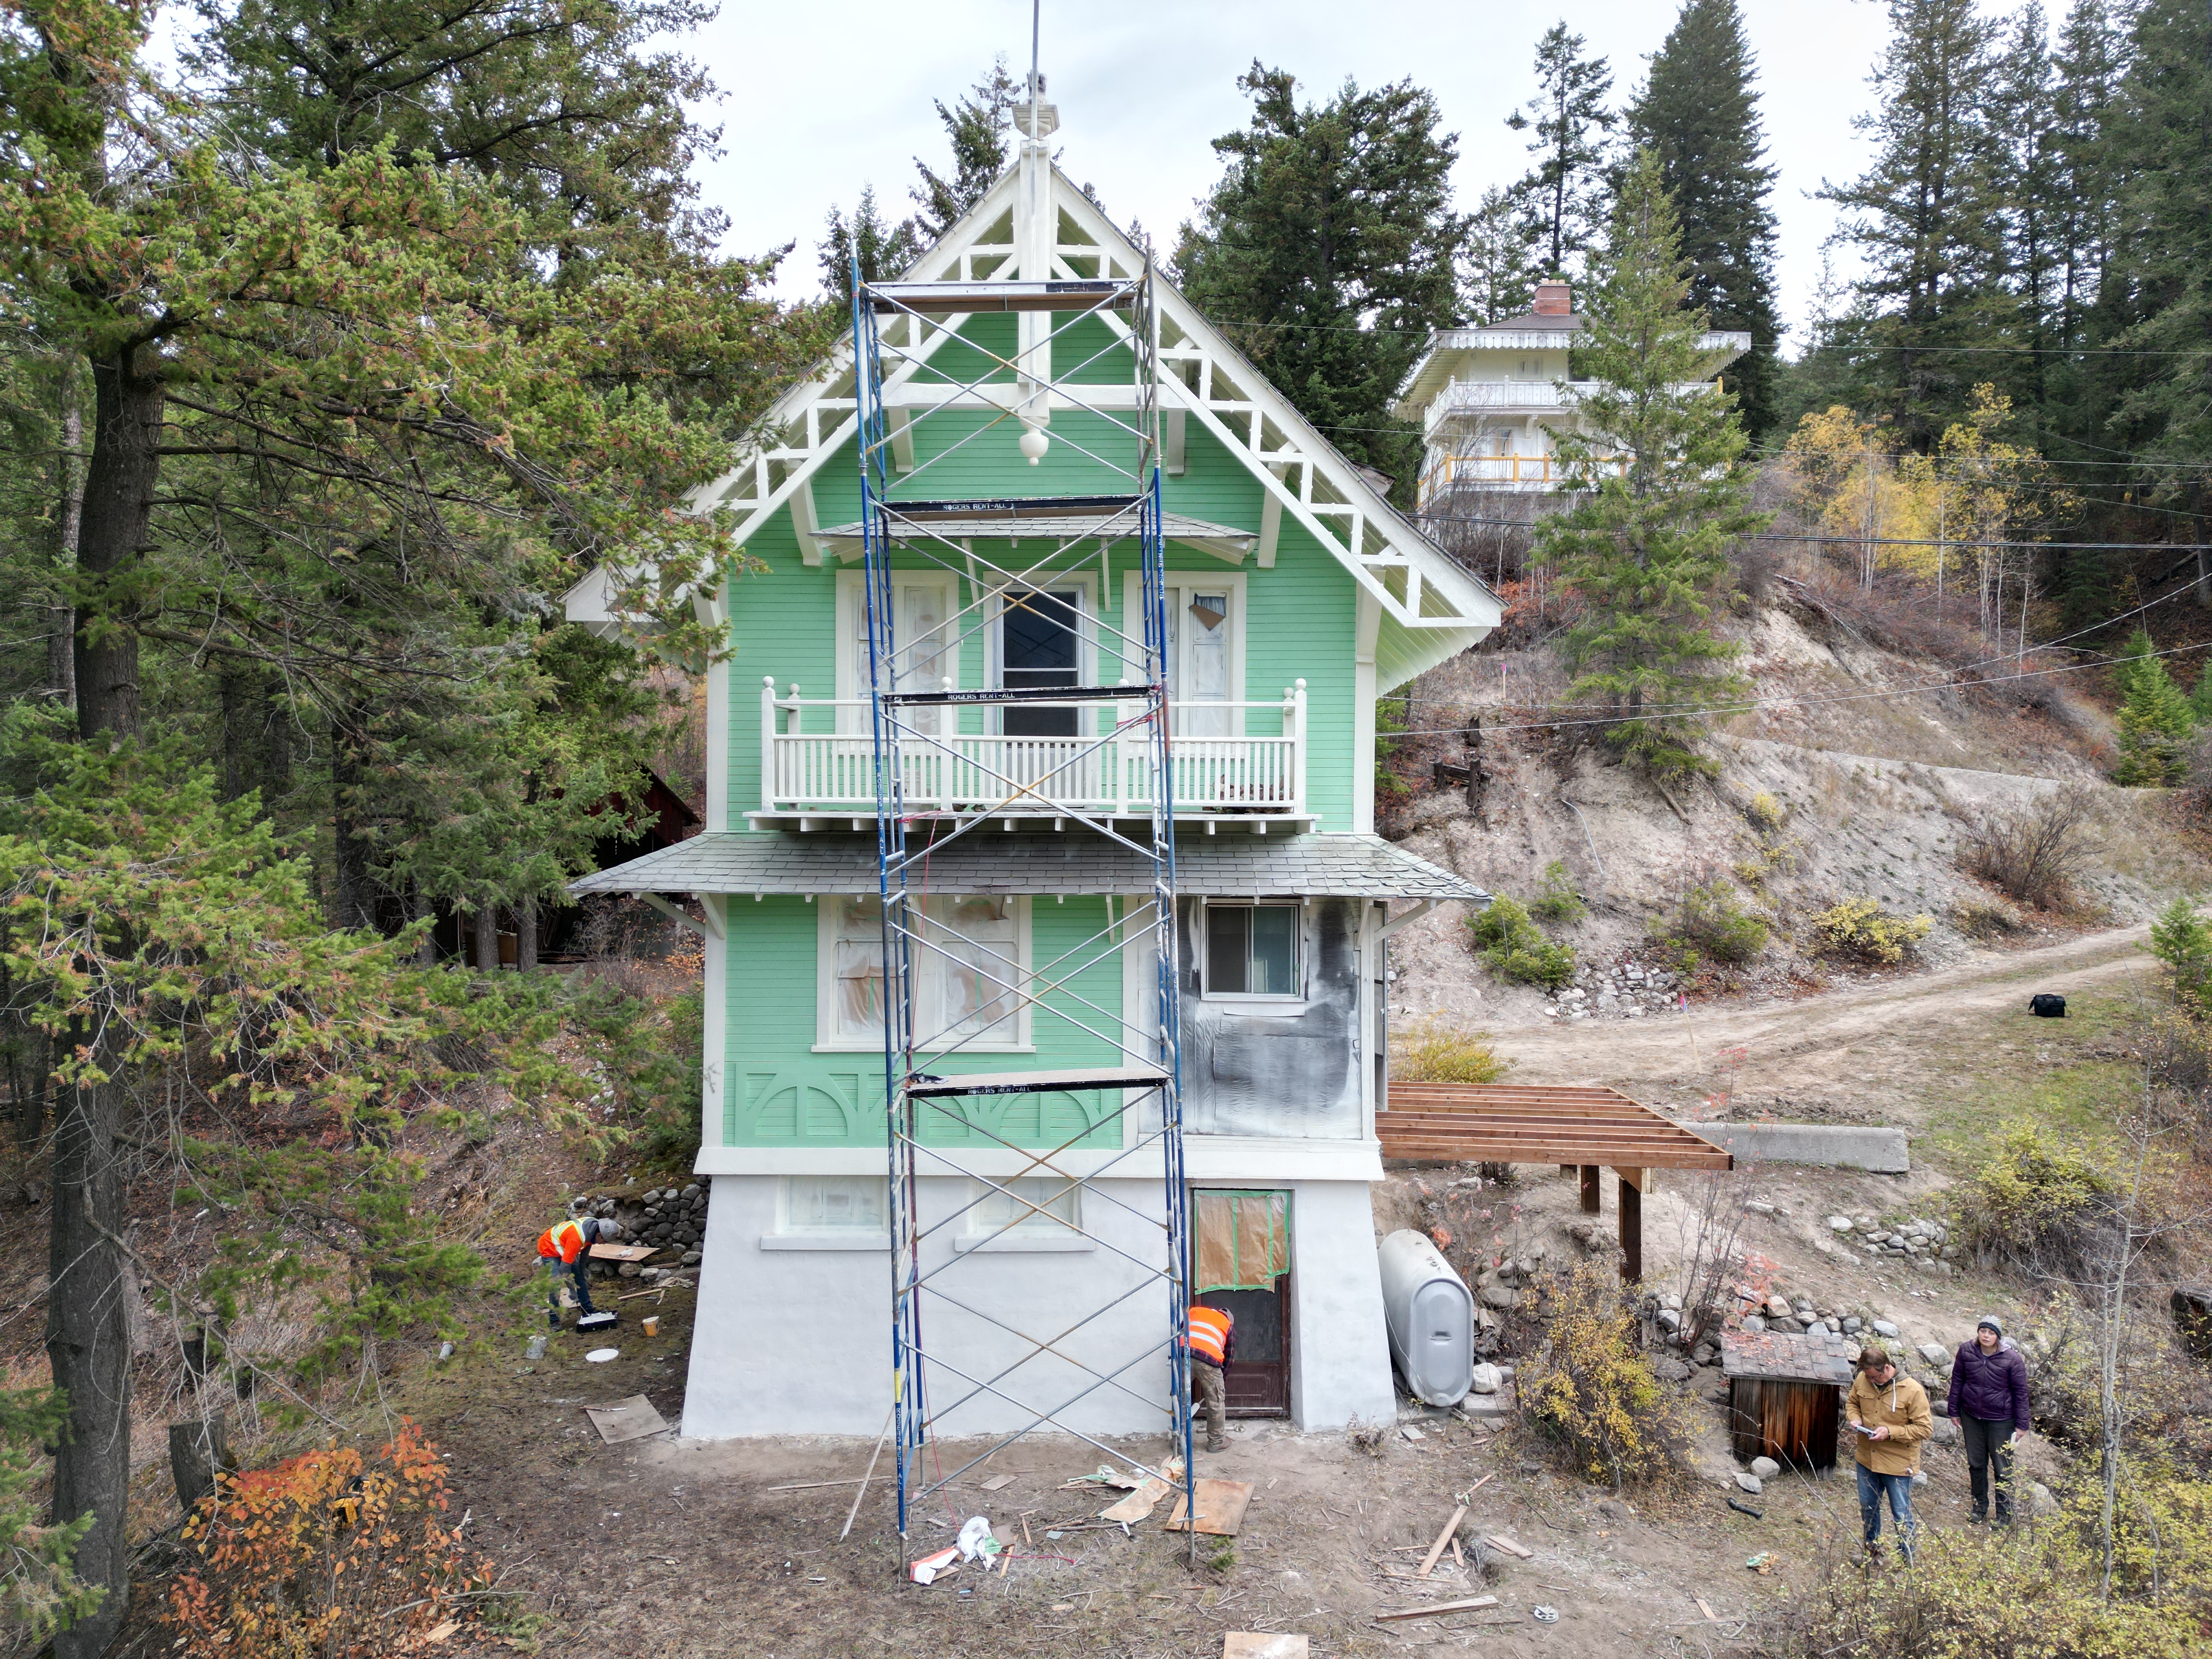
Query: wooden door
point(1241, 1264)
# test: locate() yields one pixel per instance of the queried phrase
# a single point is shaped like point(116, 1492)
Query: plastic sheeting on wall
point(1241, 1240)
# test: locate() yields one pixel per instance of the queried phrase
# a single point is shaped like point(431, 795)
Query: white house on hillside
point(1490, 400)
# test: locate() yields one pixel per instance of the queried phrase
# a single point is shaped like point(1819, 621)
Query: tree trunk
point(88, 1332)
point(234, 692)
point(198, 1452)
point(356, 891)
point(426, 951)
point(487, 931)
point(118, 505)
point(526, 935)
point(61, 619)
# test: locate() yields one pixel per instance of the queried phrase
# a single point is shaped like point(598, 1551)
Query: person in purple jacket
point(1988, 1402)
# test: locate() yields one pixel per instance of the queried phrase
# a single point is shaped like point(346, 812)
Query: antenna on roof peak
point(1034, 118)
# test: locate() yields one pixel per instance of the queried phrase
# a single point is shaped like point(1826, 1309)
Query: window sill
point(855, 1241)
point(1263, 1007)
point(1014, 1244)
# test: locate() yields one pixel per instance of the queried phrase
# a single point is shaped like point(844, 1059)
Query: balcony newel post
point(768, 756)
point(944, 756)
point(1298, 745)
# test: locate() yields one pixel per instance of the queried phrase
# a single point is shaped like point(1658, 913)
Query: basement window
point(831, 1212)
point(1251, 951)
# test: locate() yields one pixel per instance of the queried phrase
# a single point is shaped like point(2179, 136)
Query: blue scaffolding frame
point(922, 1088)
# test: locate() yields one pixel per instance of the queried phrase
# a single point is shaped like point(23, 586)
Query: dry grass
point(1430, 1052)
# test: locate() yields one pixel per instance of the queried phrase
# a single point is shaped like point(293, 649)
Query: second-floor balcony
point(1238, 764)
point(1531, 473)
point(1469, 401)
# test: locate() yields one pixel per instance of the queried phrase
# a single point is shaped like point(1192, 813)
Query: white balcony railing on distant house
point(1511, 472)
point(817, 759)
point(1465, 399)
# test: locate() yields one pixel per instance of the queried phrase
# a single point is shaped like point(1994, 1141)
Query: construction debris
point(1251, 1644)
point(1138, 1504)
point(1220, 1508)
point(1452, 1527)
point(626, 1419)
point(1521, 1552)
point(1441, 1608)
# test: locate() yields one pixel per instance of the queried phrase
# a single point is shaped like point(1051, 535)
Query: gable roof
point(1431, 609)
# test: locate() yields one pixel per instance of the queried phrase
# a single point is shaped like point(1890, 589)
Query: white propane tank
point(1430, 1316)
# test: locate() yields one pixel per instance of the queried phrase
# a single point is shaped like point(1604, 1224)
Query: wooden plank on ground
point(1521, 1551)
point(1220, 1508)
point(1429, 1561)
point(624, 1252)
point(1138, 1504)
point(626, 1419)
point(1254, 1644)
point(1468, 1606)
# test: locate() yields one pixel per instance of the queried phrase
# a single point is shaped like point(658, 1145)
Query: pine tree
point(2029, 182)
point(1646, 548)
point(884, 250)
point(2200, 700)
point(1926, 218)
point(1699, 113)
point(1499, 270)
point(1566, 190)
point(980, 127)
point(1328, 250)
point(2155, 719)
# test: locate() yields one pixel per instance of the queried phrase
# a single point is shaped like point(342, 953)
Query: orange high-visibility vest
point(1209, 1335)
point(564, 1239)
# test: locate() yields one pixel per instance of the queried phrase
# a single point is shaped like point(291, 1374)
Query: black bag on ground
point(2047, 1006)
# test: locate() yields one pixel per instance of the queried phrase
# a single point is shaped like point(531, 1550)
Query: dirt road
point(1862, 1047)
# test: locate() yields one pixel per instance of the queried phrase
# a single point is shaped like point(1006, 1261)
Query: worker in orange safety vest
point(566, 1247)
point(1212, 1341)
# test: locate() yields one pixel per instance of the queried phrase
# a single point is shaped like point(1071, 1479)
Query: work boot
point(552, 1322)
point(1214, 1444)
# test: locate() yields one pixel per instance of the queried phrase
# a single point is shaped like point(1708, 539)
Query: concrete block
point(1837, 1146)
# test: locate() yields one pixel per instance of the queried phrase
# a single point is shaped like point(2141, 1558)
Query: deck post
point(1589, 1173)
point(1631, 1226)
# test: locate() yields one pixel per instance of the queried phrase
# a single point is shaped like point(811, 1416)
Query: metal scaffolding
point(948, 1347)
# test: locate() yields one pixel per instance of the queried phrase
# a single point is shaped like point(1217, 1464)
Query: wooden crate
point(1785, 1396)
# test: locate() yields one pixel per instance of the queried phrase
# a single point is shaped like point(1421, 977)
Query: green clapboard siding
point(778, 1092)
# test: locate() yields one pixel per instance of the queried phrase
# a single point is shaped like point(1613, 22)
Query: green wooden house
point(1297, 597)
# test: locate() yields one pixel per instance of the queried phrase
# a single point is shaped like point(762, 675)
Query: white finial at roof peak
point(1036, 118)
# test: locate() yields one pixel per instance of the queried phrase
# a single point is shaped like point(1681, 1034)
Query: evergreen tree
point(1646, 548)
point(1699, 113)
point(885, 250)
point(2155, 719)
point(2030, 164)
point(1926, 218)
point(1328, 249)
point(2200, 700)
point(1566, 189)
point(1499, 270)
point(2160, 138)
point(980, 130)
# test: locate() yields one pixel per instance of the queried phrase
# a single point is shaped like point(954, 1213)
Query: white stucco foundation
point(793, 1334)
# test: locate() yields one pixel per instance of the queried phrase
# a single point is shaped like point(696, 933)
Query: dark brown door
point(1259, 1378)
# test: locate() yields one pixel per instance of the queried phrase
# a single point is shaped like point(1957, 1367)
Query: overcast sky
point(824, 97)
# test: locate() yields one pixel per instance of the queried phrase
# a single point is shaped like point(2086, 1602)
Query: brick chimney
point(1554, 299)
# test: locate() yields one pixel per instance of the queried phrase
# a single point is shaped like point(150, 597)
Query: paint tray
point(603, 1320)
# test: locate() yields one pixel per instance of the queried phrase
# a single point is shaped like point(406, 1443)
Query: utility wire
point(1877, 541)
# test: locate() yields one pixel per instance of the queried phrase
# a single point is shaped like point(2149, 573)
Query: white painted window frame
point(827, 1041)
point(1295, 1002)
point(1180, 584)
point(788, 1236)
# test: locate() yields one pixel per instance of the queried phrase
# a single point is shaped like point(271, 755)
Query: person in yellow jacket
point(1890, 1420)
point(1211, 1336)
point(566, 1247)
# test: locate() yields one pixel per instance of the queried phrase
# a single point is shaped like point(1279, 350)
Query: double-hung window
point(967, 955)
point(1252, 951)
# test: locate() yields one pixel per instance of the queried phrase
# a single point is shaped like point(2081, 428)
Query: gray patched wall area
point(1249, 1073)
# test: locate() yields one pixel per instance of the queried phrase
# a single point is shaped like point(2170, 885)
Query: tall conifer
point(1926, 217)
point(1646, 548)
point(1328, 249)
point(1566, 189)
point(1699, 114)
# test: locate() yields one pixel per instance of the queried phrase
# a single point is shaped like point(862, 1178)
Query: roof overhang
point(1305, 866)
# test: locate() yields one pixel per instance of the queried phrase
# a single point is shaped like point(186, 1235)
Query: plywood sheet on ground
point(626, 1419)
point(1252, 1644)
point(1220, 1508)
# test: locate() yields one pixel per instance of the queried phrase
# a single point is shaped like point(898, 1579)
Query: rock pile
point(1922, 1243)
point(671, 1219)
point(1627, 990)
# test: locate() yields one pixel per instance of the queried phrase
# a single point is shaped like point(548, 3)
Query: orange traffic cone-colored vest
point(1209, 1335)
point(564, 1240)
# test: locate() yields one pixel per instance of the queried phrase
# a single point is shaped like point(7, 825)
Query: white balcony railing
point(1467, 399)
point(818, 757)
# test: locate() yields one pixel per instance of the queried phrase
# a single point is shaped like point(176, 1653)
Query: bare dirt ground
point(667, 1548)
point(1865, 1050)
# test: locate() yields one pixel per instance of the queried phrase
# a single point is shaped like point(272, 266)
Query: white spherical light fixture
point(1035, 443)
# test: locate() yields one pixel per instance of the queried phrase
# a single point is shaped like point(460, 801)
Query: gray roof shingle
point(995, 862)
